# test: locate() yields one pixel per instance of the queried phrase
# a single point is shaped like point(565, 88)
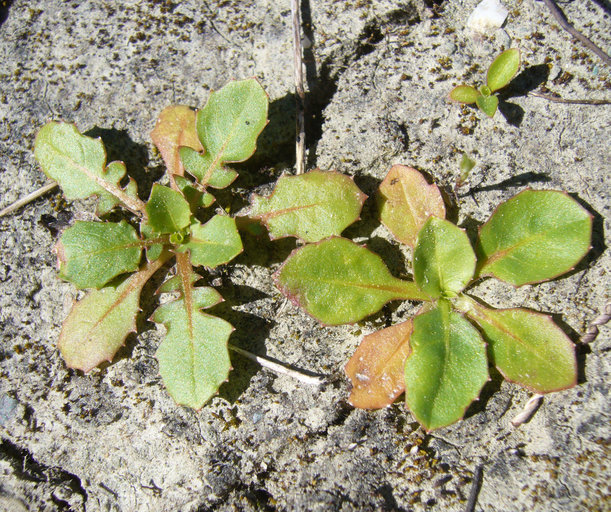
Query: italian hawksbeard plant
point(440, 357)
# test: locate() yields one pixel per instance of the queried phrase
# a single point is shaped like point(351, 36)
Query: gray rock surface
point(378, 73)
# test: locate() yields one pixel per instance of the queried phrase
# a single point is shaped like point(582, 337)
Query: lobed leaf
point(407, 201)
point(528, 348)
point(464, 94)
point(175, 127)
point(231, 121)
point(97, 325)
point(535, 236)
point(167, 210)
point(444, 261)
point(376, 369)
point(311, 206)
point(487, 104)
point(214, 243)
point(503, 69)
point(107, 202)
point(337, 281)
point(78, 164)
point(447, 367)
point(193, 357)
point(90, 254)
point(198, 165)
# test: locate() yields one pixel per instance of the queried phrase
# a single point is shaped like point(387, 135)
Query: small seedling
point(193, 357)
point(440, 357)
point(500, 73)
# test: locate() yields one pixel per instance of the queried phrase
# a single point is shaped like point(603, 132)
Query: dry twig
point(558, 99)
point(300, 93)
point(28, 199)
point(566, 25)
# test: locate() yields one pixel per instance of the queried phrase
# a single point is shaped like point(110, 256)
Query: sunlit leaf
point(338, 281)
point(195, 197)
point(503, 69)
point(175, 127)
point(229, 124)
point(78, 164)
point(376, 369)
point(92, 253)
point(311, 206)
point(528, 348)
point(153, 250)
point(464, 94)
point(535, 236)
point(447, 367)
point(193, 357)
point(106, 201)
point(487, 104)
point(444, 261)
point(198, 165)
point(214, 243)
point(167, 210)
point(407, 201)
point(97, 326)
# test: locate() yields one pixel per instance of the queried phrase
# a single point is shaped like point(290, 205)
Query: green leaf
point(193, 357)
point(535, 236)
point(106, 201)
point(376, 369)
point(464, 94)
point(488, 104)
point(195, 197)
point(407, 201)
point(338, 281)
point(175, 127)
point(311, 206)
point(444, 261)
point(198, 165)
point(214, 243)
point(98, 324)
point(167, 210)
point(153, 250)
point(78, 164)
point(528, 348)
point(92, 253)
point(503, 69)
point(447, 367)
point(231, 121)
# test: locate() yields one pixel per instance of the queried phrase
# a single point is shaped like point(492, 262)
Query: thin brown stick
point(557, 99)
point(279, 368)
point(300, 94)
point(566, 25)
point(28, 199)
point(475, 487)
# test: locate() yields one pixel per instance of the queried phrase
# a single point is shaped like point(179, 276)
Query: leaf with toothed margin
point(97, 325)
point(174, 283)
point(214, 243)
point(198, 164)
point(407, 201)
point(78, 164)
point(311, 206)
point(534, 236)
point(167, 210)
point(90, 254)
point(338, 282)
point(153, 250)
point(447, 367)
point(376, 369)
point(175, 127)
point(444, 261)
point(229, 124)
point(195, 197)
point(193, 357)
point(528, 348)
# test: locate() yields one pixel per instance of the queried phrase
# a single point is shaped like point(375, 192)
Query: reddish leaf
point(377, 367)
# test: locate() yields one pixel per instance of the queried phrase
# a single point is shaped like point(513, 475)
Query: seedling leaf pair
point(500, 73)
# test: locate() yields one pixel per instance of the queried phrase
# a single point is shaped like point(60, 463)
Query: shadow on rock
point(527, 81)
